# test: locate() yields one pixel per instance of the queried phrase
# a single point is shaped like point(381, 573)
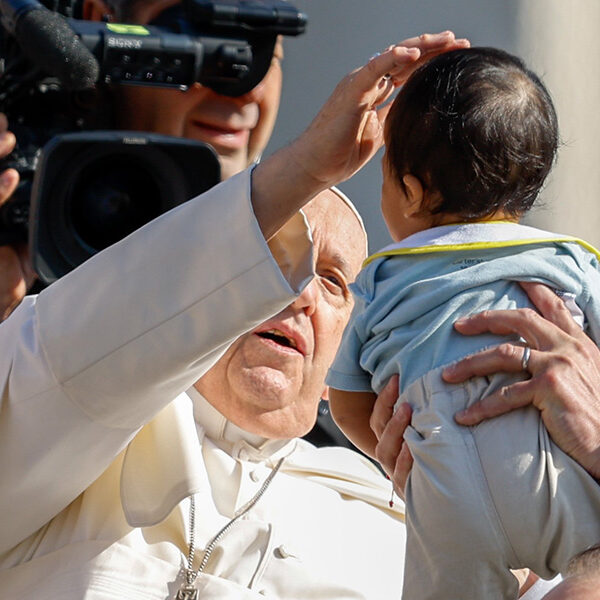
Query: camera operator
point(238, 128)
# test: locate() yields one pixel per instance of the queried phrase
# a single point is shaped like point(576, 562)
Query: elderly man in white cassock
point(149, 451)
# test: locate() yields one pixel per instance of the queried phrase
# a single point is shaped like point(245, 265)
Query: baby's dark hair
point(476, 126)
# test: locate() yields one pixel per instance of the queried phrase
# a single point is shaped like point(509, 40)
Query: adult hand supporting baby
point(565, 373)
point(389, 425)
point(564, 384)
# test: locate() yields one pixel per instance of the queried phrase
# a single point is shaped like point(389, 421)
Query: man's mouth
point(279, 337)
point(216, 128)
point(222, 136)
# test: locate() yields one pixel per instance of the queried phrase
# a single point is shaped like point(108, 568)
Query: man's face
point(270, 381)
point(237, 128)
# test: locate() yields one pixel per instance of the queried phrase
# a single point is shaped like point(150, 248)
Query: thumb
point(371, 136)
point(9, 180)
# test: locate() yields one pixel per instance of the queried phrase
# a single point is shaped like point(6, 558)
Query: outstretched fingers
point(429, 45)
point(397, 62)
point(433, 43)
point(506, 399)
point(507, 358)
point(543, 330)
point(525, 323)
point(551, 307)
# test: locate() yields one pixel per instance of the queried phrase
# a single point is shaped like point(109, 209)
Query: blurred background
point(558, 40)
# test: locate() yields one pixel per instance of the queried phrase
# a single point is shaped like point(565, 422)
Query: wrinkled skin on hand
point(565, 373)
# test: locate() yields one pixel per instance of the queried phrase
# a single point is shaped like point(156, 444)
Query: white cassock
point(101, 448)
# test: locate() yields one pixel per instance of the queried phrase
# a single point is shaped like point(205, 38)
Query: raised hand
point(344, 135)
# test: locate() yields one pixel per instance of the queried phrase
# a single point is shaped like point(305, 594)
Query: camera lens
point(91, 189)
point(111, 198)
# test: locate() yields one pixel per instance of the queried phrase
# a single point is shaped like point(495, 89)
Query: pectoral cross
point(187, 592)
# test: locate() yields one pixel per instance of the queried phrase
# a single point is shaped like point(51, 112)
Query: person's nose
point(308, 299)
point(256, 94)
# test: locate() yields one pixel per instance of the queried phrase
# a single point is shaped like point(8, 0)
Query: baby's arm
point(352, 412)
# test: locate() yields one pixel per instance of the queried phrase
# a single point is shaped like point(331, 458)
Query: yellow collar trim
point(478, 246)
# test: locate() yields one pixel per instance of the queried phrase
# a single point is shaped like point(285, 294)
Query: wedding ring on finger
point(526, 357)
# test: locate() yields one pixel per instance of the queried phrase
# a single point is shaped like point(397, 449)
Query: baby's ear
point(415, 193)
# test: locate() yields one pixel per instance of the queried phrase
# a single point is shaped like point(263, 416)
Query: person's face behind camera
point(237, 128)
point(270, 380)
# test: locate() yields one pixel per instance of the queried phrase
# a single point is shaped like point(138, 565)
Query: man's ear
point(415, 193)
point(95, 10)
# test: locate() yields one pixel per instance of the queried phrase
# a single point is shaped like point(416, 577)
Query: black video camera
point(85, 185)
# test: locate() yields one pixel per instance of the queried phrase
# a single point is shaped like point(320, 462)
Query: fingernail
point(462, 417)
point(5, 180)
point(448, 371)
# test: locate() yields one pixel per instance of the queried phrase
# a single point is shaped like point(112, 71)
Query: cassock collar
point(234, 440)
point(163, 464)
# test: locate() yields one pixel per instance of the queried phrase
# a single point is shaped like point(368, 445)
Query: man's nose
point(307, 300)
point(256, 94)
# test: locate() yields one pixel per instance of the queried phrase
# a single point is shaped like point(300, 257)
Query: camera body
point(85, 185)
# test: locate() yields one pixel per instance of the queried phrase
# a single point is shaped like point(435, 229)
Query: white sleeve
point(92, 358)
point(540, 588)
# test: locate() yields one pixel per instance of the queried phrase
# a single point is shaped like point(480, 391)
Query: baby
point(470, 140)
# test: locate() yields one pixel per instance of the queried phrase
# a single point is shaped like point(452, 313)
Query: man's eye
point(333, 283)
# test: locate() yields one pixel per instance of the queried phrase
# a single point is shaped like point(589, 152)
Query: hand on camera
point(16, 274)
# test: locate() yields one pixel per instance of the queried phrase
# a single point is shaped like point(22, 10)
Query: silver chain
point(187, 591)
